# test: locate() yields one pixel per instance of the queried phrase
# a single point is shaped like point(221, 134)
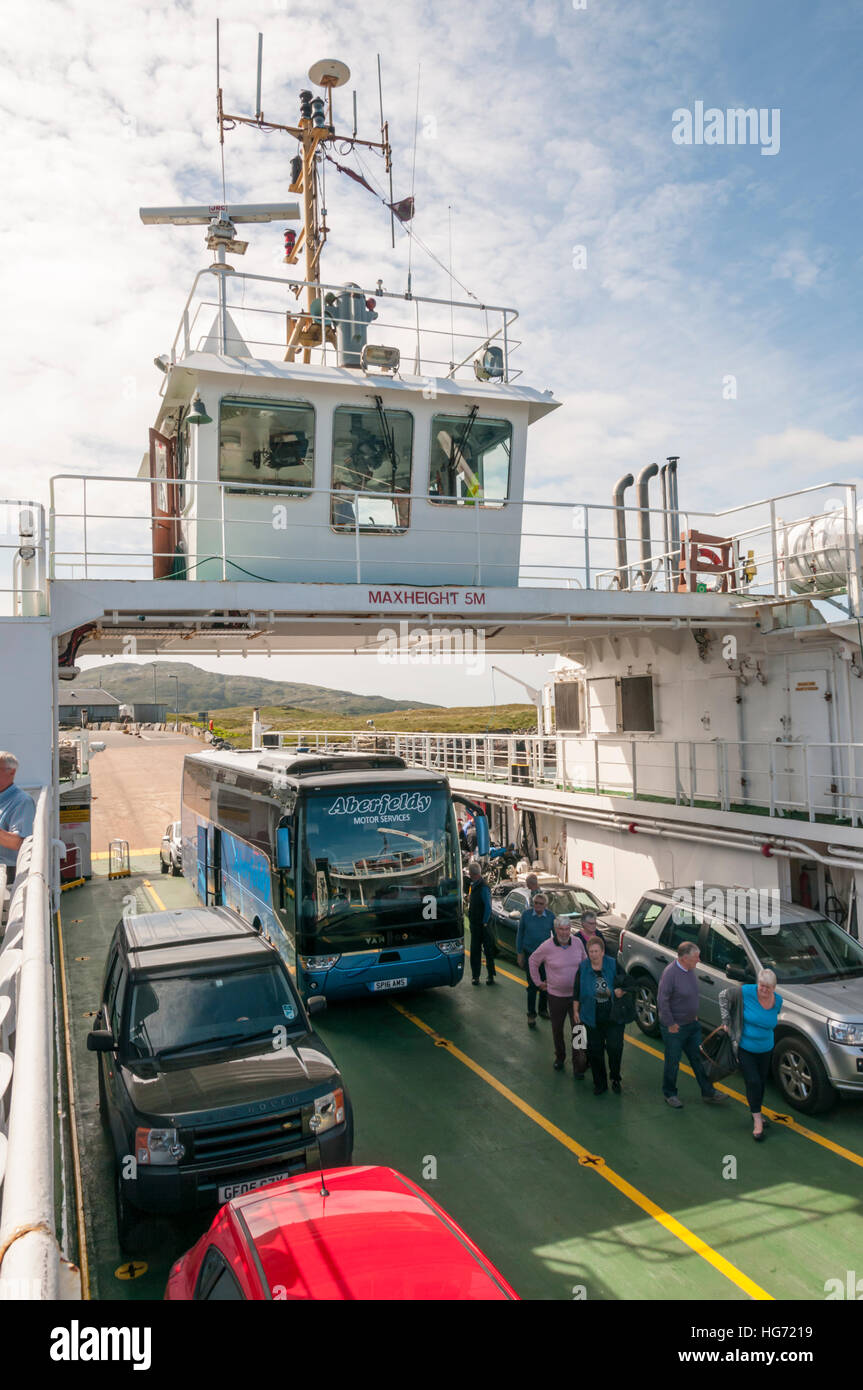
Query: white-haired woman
point(749, 1014)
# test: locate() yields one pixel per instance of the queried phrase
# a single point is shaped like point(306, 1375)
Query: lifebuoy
point(710, 555)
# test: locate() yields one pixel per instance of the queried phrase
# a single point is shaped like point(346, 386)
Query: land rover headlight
point(845, 1032)
point(318, 962)
point(451, 948)
point(158, 1146)
point(330, 1110)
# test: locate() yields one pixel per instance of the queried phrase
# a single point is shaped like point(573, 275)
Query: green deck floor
point(791, 1219)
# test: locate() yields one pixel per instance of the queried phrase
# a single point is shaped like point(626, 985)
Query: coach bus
point(349, 863)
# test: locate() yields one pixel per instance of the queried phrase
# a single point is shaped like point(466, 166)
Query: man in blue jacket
point(535, 927)
point(479, 921)
point(17, 812)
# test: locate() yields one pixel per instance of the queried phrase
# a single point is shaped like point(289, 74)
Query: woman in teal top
point(752, 1018)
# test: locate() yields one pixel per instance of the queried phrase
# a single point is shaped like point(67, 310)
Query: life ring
point(711, 556)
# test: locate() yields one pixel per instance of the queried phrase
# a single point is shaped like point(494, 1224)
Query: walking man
point(561, 955)
point(17, 813)
point(681, 1031)
point(479, 921)
point(536, 926)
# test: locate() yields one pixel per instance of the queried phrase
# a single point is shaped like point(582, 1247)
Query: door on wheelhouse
point(164, 504)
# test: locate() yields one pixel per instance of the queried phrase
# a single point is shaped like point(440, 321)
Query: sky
point(700, 299)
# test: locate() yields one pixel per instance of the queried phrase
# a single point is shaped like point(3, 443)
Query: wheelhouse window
point(372, 452)
point(470, 459)
point(267, 443)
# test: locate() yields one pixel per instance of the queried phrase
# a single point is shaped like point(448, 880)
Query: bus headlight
point(318, 962)
point(158, 1146)
point(451, 948)
point(330, 1109)
point(844, 1032)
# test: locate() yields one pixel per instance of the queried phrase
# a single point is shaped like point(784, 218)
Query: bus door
point(210, 865)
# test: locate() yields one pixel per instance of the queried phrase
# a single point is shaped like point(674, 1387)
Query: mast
point(315, 130)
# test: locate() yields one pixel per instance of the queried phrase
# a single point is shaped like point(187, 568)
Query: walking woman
point(561, 955)
point(604, 1000)
point(749, 1015)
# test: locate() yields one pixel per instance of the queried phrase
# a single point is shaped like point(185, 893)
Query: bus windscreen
point(375, 858)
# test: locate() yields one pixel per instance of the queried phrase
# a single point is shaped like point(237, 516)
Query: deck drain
point(82, 957)
point(133, 1270)
point(91, 1013)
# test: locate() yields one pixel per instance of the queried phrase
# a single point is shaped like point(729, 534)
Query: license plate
point(239, 1189)
point(389, 984)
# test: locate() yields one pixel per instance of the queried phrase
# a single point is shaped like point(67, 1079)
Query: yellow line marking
point(517, 978)
point(153, 894)
point(777, 1116)
point(599, 1166)
point(101, 855)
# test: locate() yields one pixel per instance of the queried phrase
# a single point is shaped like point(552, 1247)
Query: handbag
point(718, 1055)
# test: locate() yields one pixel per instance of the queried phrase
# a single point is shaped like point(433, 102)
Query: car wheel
point(176, 871)
point(800, 1076)
point(162, 865)
point(129, 1221)
point(646, 1006)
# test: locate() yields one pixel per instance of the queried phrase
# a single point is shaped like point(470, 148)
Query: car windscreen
point(572, 902)
point(170, 1012)
point(375, 850)
point(807, 952)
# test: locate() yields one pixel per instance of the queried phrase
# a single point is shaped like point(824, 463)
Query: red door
point(164, 504)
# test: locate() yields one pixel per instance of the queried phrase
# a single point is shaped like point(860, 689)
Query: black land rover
point(210, 1074)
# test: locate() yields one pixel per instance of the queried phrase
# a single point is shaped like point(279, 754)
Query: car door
point(507, 918)
point(722, 946)
point(112, 1008)
point(679, 926)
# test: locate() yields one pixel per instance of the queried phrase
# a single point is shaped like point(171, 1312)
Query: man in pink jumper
point(561, 955)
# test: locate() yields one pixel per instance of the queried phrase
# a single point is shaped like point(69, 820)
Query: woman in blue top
point(749, 1014)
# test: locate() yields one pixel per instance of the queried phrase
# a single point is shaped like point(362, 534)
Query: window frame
point(213, 1267)
point(351, 528)
point(292, 492)
point(492, 502)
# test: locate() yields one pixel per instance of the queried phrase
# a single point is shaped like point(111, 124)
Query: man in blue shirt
point(17, 812)
point(479, 921)
point(535, 927)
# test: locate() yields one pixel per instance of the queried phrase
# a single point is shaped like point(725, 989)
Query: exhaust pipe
point(620, 530)
point(674, 515)
point(666, 524)
point(650, 471)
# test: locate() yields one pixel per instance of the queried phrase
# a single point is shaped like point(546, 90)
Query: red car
point(374, 1235)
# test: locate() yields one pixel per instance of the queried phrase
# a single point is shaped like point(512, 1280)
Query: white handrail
point(30, 1256)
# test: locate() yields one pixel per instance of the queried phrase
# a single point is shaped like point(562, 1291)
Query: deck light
point(489, 367)
point(318, 113)
point(376, 355)
point(306, 105)
point(198, 414)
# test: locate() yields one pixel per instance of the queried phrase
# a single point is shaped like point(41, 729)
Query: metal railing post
point(222, 526)
point(596, 765)
point(634, 769)
point(676, 773)
point(587, 547)
point(771, 779)
point(807, 772)
point(358, 561)
point(84, 519)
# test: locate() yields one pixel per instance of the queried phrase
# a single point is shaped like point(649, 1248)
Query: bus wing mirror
point(283, 847)
point(483, 838)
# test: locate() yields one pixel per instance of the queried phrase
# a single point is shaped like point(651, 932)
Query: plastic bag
point(718, 1055)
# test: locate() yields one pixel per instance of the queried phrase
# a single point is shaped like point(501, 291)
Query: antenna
point(314, 1125)
point(259, 115)
point(386, 144)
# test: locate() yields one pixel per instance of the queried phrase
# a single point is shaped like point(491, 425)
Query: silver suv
point(819, 969)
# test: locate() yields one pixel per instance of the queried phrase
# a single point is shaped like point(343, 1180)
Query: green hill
point(213, 691)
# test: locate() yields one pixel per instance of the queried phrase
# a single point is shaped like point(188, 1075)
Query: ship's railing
point(23, 559)
point(31, 1263)
point(806, 781)
point(102, 527)
point(435, 337)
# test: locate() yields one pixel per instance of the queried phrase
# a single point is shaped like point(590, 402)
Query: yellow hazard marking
point(599, 1165)
point(154, 895)
point(777, 1116)
point(133, 1270)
